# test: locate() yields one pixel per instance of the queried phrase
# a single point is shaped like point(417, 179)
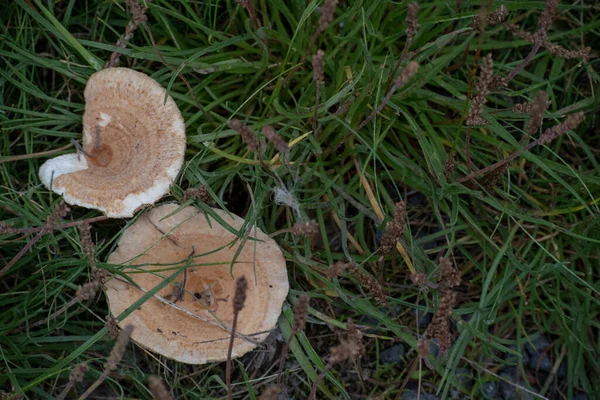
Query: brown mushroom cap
point(167, 235)
point(134, 141)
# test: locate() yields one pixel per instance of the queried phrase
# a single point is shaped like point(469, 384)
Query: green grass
point(528, 248)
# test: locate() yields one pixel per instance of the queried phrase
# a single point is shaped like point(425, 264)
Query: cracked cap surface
point(135, 144)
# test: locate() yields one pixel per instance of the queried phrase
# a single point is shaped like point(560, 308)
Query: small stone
point(393, 355)
point(424, 319)
point(563, 369)
point(413, 394)
point(540, 362)
point(513, 359)
point(463, 377)
point(416, 199)
point(537, 345)
point(378, 235)
point(489, 390)
point(581, 396)
point(508, 390)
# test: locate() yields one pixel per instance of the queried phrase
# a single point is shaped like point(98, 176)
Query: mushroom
point(189, 320)
point(133, 146)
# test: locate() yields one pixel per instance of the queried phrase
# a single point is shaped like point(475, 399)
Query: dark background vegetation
point(526, 245)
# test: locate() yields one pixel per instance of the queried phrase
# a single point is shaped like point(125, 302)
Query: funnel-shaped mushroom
point(134, 144)
point(189, 320)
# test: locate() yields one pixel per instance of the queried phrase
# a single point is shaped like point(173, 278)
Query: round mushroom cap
point(191, 321)
point(134, 145)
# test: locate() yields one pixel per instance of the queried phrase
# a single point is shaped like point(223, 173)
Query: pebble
point(463, 377)
point(413, 394)
point(489, 390)
point(424, 319)
point(563, 369)
point(393, 355)
point(581, 396)
point(540, 362)
point(537, 345)
point(510, 392)
point(513, 359)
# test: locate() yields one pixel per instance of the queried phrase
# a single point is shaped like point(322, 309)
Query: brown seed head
point(449, 168)
point(201, 193)
point(450, 275)
point(494, 18)
point(342, 352)
point(552, 48)
point(571, 123)
point(270, 393)
point(354, 336)
point(412, 25)
point(369, 283)
point(344, 107)
point(241, 286)
point(394, 230)
point(308, 228)
point(318, 64)
point(485, 78)
point(327, 12)
point(560, 51)
point(245, 133)
point(536, 113)
point(113, 328)
point(547, 19)
point(78, 372)
point(424, 348)
point(62, 209)
point(336, 270)
point(277, 141)
point(497, 82)
point(491, 179)
point(86, 238)
point(158, 388)
point(439, 327)
point(87, 291)
point(300, 313)
point(119, 348)
point(411, 69)
point(418, 278)
point(5, 228)
point(99, 275)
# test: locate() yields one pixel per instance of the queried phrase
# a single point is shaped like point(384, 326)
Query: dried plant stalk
point(393, 231)
point(339, 353)
point(138, 16)
point(485, 78)
point(77, 374)
point(494, 18)
point(300, 316)
point(113, 360)
point(245, 133)
point(549, 134)
point(369, 283)
point(158, 389)
point(278, 142)
point(239, 298)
